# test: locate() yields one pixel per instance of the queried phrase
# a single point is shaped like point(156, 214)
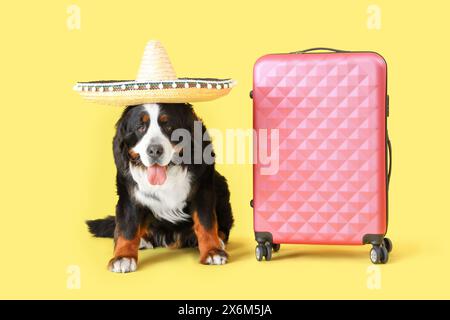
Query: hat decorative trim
point(156, 82)
point(126, 85)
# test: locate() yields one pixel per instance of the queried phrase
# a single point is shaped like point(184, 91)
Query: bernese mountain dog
point(163, 202)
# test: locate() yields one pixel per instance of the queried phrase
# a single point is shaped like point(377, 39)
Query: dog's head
point(144, 138)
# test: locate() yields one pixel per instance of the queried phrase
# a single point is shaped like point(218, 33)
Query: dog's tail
point(102, 228)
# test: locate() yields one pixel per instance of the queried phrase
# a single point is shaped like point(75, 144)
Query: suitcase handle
point(319, 48)
point(389, 147)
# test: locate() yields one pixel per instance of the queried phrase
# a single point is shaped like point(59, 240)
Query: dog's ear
point(120, 148)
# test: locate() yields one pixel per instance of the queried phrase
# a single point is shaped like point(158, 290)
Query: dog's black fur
point(209, 195)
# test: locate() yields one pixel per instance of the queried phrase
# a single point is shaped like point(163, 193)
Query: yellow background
point(57, 168)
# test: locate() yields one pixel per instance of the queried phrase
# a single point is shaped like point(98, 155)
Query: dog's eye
point(166, 126)
point(141, 128)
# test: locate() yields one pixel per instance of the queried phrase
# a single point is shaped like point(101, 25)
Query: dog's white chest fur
point(167, 200)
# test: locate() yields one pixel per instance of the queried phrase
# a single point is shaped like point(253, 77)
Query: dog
point(163, 202)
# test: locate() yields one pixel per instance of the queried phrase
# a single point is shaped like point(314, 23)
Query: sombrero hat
point(156, 82)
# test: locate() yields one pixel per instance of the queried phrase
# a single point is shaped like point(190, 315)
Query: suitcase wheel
point(259, 252)
point(379, 254)
point(268, 247)
point(264, 250)
point(387, 243)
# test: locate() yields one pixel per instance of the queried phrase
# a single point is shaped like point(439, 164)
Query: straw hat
point(156, 82)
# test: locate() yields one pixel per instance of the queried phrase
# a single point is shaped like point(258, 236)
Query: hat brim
point(181, 90)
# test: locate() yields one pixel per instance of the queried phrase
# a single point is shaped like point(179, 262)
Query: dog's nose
point(155, 151)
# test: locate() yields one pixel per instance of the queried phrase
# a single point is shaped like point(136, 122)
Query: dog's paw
point(122, 265)
point(144, 244)
point(215, 257)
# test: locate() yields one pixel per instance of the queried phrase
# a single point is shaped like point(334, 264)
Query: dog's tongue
point(156, 174)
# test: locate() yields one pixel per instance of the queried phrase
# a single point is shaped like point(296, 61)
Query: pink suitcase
point(324, 179)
